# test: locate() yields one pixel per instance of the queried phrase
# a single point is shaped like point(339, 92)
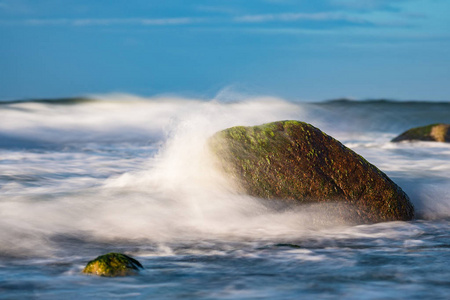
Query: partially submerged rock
point(298, 163)
point(433, 133)
point(112, 265)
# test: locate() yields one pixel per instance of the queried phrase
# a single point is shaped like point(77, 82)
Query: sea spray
point(130, 174)
point(175, 193)
point(185, 181)
point(137, 170)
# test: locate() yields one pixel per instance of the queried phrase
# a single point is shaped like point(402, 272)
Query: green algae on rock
point(432, 133)
point(296, 162)
point(112, 265)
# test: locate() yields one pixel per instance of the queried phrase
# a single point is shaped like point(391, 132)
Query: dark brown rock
point(296, 162)
point(431, 133)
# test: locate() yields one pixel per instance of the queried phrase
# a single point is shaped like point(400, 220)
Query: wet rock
point(112, 265)
point(295, 162)
point(432, 133)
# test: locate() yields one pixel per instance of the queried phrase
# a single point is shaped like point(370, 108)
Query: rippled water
point(82, 178)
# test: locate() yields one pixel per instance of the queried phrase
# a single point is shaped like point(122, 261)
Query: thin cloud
point(134, 21)
point(366, 4)
point(39, 22)
point(283, 17)
point(245, 19)
point(106, 22)
point(292, 17)
point(388, 20)
point(171, 21)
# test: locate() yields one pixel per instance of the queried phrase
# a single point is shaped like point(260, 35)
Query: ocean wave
point(131, 168)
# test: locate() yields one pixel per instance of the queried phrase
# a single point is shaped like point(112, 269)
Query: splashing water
point(126, 173)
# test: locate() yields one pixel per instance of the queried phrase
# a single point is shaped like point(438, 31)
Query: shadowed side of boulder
point(112, 265)
point(296, 162)
point(432, 133)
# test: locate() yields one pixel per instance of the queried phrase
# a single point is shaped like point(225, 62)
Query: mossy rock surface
point(112, 265)
point(295, 162)
point(431, 133)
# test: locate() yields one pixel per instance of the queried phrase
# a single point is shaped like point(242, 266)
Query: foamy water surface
point(129, 174)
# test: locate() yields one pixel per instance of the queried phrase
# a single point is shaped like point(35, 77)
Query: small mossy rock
point(296, 162)
point(432, 133)
point(112, 265)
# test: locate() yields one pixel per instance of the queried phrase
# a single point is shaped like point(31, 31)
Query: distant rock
point(295, 162)
point(113, 265)
point(432, 133)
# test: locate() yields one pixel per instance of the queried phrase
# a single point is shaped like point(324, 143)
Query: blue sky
point(300, 50)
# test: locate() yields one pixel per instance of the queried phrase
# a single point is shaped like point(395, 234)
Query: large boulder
point(296, 162)
point(432, 133)
point(112, 265)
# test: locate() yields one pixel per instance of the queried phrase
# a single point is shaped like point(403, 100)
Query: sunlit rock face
point(431, 133)
point(113, 265)
point(295, 162)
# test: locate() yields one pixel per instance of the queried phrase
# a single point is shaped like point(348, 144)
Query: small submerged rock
point(431, 133)
point(112, 265)
point(295, 162)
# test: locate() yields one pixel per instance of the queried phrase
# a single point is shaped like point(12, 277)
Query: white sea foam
point(139, 169)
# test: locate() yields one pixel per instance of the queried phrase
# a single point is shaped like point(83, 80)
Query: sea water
point(121, 173)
